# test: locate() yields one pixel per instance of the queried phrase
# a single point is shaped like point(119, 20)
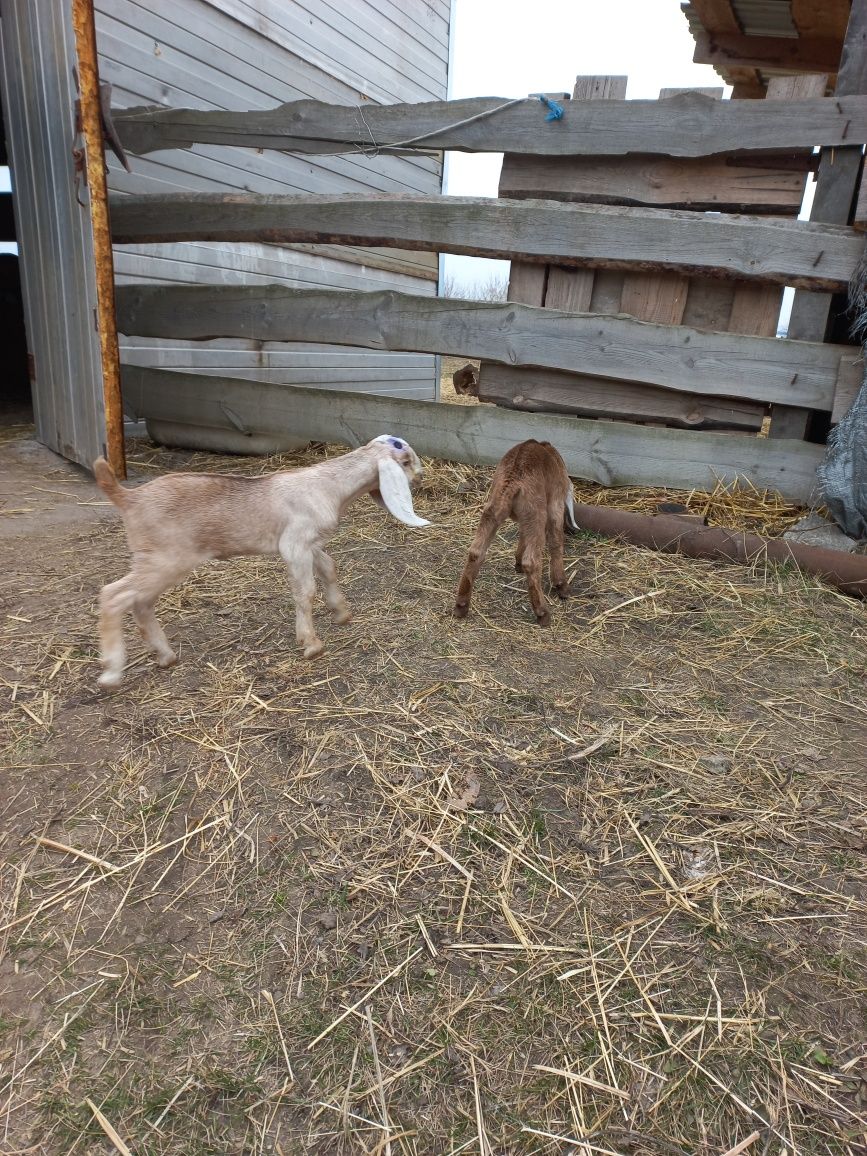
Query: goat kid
point(176, 522)
point(531, 486)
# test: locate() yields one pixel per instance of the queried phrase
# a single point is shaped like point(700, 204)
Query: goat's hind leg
point(114, 601)
point(531, 564)
point(137, 591)
point(323, 564)
point(152, 633)
point(554, 534)
point(492, 518)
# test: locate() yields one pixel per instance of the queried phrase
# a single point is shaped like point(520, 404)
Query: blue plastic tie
point(556, 110)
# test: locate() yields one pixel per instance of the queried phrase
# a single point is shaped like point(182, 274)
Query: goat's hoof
point(460, 611)
point(164, 661)
point(314, 649)
point(543, 619)
point(343, 617)
point(110, 679)
point(564, 591)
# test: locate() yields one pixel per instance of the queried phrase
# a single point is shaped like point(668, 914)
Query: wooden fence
point(627, 300)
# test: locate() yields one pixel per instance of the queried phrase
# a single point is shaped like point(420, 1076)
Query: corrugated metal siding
point(53, 229)
point(232, 54)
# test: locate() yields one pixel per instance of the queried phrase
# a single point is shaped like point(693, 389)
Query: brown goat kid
point(175, 523)
point(531, 486)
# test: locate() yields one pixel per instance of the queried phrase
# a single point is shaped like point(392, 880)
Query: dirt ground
point(453, 887)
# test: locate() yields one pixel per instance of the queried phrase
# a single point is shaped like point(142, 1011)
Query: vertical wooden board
point(569, 289)
point(755, 309)
point(607, 291)
point(655, 297)
point(860, 220)
point(600, 88)
point(572, 289)
point(708, 304)
point(527, 283)
point(661, 297)
point(786, 421)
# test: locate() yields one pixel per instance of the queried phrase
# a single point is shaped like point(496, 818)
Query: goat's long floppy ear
point(395, 492)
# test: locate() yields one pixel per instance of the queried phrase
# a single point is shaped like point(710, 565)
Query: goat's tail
point(108, 483)
point(569, 512)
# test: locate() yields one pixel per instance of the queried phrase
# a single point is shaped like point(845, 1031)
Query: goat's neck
point(354, 474)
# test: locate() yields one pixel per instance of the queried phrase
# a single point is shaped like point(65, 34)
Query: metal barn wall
point(53, 227)
point(240, 54)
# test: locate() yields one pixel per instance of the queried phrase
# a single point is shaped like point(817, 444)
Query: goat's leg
point(492, 518)
point(299, 562)
point(323, 564)
point(114, 601)
point(555, 548)
point(152, 633)
point(519, 553)
point(137, 591)
point(531, 564)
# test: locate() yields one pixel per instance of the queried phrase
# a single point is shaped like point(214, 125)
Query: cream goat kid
point(176, 522)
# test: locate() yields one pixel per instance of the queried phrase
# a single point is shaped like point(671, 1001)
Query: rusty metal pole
point(94, 171)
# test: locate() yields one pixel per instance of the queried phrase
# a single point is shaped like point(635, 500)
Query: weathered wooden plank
point(815, 18)
point(678, 358)
point(661, 299)
point(786, 252)
point(612, 453)
point(756, 308)
point(860, 220)
point(604, 87)
point(836, 185)
point(689, 125)
point(527, 283)
point(716, 15)
point(709, 303)
point(552, 391)
point(712, 183)
point(793, 54)
point(569, 289)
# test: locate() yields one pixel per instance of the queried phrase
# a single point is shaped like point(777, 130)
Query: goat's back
point(210, 515)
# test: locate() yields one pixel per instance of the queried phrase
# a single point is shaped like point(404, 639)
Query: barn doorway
point(16, 403)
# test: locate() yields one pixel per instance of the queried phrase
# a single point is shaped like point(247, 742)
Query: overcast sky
point(512, 48)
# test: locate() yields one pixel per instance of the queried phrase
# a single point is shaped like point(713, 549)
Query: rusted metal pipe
point(672, 534)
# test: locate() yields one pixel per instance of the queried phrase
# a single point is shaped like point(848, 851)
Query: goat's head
point(399, 469)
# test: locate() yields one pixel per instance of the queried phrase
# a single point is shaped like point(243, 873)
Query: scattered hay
point(457, 886)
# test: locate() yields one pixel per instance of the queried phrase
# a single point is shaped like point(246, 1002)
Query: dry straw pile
point(455, 887)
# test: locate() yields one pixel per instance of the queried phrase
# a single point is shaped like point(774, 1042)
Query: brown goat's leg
point(531, 564)
point(298, 557)
point(555, 548)
point(519, 553)
point(492, 518)
point(323, 564)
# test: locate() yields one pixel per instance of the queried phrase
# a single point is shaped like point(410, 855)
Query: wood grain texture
point(569, 289)
point(836, 188)
point(792, 54)
point(689, 125)
point(661, 299)
point(712, 183)
point(553, 391)
point(678, 358)
point(786, 252)
point(611, 453)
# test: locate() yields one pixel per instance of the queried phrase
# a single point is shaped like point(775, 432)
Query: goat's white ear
point(396, 495)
